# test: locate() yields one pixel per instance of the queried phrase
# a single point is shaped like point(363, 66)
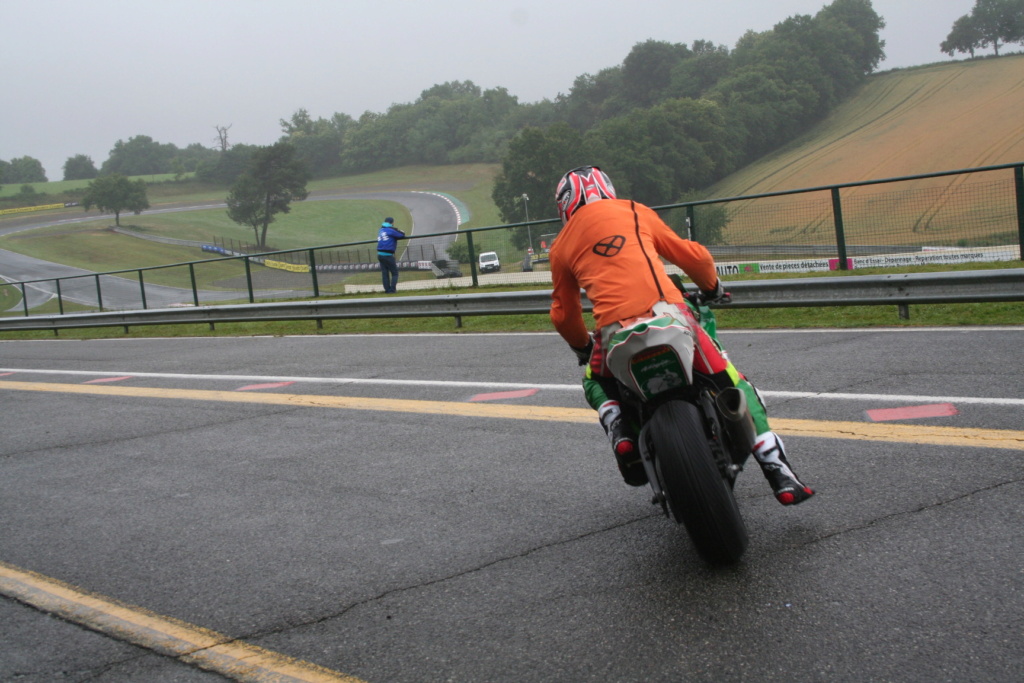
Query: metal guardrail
point(969, 286)
point(866, 290)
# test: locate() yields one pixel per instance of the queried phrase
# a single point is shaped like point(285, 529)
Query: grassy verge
point(943, 315)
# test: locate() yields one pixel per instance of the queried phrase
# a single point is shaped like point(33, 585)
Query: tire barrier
point(361, 267)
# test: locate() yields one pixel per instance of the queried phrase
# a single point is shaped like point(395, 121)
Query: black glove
point(583, 355)
point(718, 295)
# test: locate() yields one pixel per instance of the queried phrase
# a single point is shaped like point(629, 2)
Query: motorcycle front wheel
point(697, 493)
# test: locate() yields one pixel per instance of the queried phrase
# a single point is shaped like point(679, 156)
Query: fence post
point(312, 271)
point(60, 299)
point(142, 290)
point(248, 279)
point(691, 224)
point(99, 294)
point(472, 258)
point(24, 298)
point(192, 276)
point(1018, 182)
point(837, 217)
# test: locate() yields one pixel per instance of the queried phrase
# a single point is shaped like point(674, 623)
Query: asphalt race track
point(444, 508)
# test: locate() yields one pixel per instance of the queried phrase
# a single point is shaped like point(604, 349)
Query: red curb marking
point(272, 385)
point(107, 379)
point(522, 393)
point(911, 412)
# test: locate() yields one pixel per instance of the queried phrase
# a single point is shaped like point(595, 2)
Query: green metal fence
point(968, 215)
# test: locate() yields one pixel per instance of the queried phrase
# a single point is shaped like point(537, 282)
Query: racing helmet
point(580, 186)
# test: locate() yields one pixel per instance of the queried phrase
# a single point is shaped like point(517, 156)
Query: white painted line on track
point(908, 398)
point(865, 330)
point(458, 335)
point(310, 380)
point(511, 386)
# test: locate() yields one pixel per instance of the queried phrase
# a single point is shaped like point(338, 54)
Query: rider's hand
point(583, 355)
point(718, 295)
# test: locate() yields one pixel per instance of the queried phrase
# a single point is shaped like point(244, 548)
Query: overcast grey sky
point(79, 76)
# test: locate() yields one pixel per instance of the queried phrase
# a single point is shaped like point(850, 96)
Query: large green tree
point(537, 158)
point(115, 194)
point(647, 70)
point(226, 166)
point(655, 155)
point(140, 155)
point(80, 167)
point(274, 179)
point(318, 142)
point(694, 76)
point(24, 170)
point(964, 37)
point(452, 122)
point(991, 22)
point(999, 21)
point(593, 99)
point(859, 29)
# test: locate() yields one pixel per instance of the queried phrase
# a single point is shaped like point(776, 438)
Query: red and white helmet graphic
point(581, 186)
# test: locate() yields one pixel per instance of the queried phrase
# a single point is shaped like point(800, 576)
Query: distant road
point(431, 213)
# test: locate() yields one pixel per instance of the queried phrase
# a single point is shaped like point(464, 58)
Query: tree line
point(990, 23)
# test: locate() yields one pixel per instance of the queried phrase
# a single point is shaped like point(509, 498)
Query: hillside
point(906, 122)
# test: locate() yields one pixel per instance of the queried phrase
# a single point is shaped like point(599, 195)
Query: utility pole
point(529, 232)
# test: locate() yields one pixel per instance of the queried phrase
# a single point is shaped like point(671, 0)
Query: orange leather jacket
point(610, 248)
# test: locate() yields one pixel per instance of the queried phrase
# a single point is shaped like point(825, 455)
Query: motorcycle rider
point(610, 248)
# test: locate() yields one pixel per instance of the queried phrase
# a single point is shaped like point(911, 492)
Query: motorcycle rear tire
point(697, 493)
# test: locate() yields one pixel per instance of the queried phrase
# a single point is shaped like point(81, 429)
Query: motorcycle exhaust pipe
point(737, 422)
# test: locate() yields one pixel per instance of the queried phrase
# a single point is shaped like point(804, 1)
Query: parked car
point(489, 262)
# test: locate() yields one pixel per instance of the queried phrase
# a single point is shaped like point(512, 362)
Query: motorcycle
point(694, 436)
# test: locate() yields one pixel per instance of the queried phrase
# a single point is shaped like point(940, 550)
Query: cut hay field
point(906, 122)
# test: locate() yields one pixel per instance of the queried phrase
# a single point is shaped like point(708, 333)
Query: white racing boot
point(771, 456)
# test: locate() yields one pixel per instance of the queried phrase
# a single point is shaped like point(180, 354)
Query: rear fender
point(652, 355)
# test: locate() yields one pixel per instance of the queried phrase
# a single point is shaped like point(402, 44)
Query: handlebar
point(699, 299)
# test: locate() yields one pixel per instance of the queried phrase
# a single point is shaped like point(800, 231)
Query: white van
point(489, 262)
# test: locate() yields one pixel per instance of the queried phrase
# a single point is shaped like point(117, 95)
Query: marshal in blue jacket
point(387, 238)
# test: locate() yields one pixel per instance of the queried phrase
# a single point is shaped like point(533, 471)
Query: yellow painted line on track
point(193, 645)
point(314, 401)
point(921, 434)
point(822, 429)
